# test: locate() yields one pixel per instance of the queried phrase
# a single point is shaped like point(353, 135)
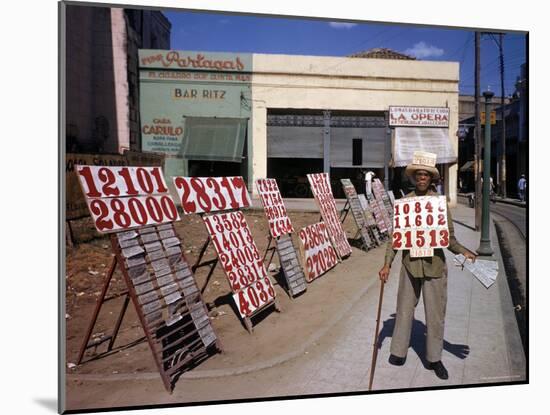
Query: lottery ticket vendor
point(424, 274)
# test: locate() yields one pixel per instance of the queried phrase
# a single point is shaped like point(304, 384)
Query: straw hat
point(423, 161)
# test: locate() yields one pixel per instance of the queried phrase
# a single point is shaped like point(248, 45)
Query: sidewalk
point(505, 200)
point(482, 345)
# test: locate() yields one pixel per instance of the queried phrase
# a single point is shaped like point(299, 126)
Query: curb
point(215, 373)
point(499, 200)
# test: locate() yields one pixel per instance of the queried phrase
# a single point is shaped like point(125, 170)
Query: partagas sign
point(419, 117)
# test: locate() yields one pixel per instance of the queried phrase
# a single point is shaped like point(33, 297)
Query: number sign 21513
point(126, 197)
point(420, 223)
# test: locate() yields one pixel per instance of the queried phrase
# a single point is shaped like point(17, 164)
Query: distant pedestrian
point(426, 275)
point(522, 187)
point(368, 181)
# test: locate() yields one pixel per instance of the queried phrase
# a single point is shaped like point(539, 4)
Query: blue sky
point(234, 33)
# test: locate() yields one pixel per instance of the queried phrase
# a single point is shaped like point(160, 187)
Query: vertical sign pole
point(485, 241)
point(387, 151)
point(477, 164)
point(326, 141)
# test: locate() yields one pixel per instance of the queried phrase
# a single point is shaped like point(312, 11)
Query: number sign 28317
point(126, 197)
point(279, 222)
point(420, 224)
point(240, 260)
point(211, 194)
point(318, 252)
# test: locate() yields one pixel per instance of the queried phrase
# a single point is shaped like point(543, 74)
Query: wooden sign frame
point(213, 196)
point(322, 191)
point(368, 238)
point(280, 230)
point(159, 281)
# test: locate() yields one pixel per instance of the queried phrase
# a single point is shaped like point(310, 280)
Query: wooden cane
point(375, 344)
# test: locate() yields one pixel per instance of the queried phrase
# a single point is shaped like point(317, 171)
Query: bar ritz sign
point(419, 117)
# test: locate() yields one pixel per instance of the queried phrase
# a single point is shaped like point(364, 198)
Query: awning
point(216, 139)
point(407, 140)
point(468, 166)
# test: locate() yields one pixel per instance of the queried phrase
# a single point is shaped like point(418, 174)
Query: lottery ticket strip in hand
point(134, 205)
point(484, 270)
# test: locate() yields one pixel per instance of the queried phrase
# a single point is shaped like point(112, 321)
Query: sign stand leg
point(98, 305)
point(344, 212)
point(119, 321)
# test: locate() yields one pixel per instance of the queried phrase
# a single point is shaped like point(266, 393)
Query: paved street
point(515, 214)
point(482, 345)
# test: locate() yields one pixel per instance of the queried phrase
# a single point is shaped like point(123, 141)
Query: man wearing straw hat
point(423, 274)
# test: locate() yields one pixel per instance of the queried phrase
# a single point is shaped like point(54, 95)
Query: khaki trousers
point(434, 293)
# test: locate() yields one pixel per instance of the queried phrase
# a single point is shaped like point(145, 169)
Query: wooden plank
point(167, 243)
point(146, 229)
point(160, 264)
point(132, 251)
point(128, 243)
point(167, 234)
point(132, 262)
point(149, 237)
point(152, 246)
point(172, 252)
point(143, 288)
point(155, 255)
point(165, 227)
point(122, 236)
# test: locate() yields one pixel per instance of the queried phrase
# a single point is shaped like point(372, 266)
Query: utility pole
point(503, 123)
point(477, 139)
point(485, 240)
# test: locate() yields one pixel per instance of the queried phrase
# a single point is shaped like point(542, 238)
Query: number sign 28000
point(126, 197)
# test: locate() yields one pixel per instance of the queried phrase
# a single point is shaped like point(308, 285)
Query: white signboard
point(320, 187)
point(121, 198)
point(420, 225)
point(211, 194)
point(279, 222)
point(317, 252)
point(419, 117)
point(240, 261)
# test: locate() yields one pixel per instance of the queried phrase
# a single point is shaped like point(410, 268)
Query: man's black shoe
point(439, 370)
point(396, 360)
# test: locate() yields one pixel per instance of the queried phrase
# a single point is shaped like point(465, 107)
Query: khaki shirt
point(427, 266)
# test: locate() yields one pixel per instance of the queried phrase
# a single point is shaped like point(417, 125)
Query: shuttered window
point(341, 146)
point(294, 142)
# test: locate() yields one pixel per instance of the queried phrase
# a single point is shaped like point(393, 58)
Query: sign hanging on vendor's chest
point(420, 225)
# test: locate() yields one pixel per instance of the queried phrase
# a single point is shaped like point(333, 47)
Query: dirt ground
point(274, 333)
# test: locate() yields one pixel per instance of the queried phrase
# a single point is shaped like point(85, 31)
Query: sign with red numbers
point(279, 222)
point(241, 261)
point(420, 225)
point(211, 194)
point(320, 186)
point(317, 250)
point(126, 197)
